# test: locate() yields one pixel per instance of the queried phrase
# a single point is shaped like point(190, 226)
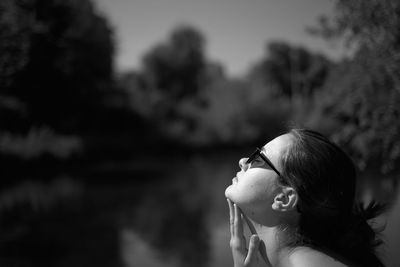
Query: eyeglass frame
point(269, 163)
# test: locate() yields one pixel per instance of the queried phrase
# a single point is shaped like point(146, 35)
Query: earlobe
point(286, 200)
point(278, 202)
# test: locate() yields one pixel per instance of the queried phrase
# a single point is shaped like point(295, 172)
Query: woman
point(297, 196)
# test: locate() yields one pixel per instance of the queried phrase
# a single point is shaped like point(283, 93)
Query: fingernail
point(256, 239)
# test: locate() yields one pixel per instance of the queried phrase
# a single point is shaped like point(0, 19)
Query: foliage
point(172, 74)
point(39, 142)
point(371, 23)
point(224, 119)
point(282, 85)
point(55, 57)
point(175, 67)
point(359, 105)
point(173, 86)
point(290, 71)
point(189, 98)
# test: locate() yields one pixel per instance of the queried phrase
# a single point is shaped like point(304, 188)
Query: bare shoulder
point(308, 257)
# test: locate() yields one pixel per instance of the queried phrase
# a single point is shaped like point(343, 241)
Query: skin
point(256, 197)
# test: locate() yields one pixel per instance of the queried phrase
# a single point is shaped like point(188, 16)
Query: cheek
point(250, 193)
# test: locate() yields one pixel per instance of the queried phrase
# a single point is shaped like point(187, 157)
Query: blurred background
point(121, 122)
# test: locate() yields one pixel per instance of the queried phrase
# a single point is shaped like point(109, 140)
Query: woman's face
point(256, 184)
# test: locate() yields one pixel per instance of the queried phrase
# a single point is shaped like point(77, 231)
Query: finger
point(253, 249)
point(231, 215)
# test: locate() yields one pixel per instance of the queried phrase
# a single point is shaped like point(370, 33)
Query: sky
point(236, 31)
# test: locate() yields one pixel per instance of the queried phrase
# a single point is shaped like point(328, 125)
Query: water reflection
point(170, 217)
point(178, 215)
point(136, 251)
point(50, 224)
point(175, 217)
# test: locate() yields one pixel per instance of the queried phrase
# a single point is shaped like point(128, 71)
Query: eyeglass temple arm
point(269, 163)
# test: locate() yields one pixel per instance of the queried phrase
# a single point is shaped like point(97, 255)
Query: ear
point(285, 200)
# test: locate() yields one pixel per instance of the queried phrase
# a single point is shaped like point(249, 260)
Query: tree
point(175, 67)
point(56, 58)
point(291, 71)
point(173, 74)
point(361, 97)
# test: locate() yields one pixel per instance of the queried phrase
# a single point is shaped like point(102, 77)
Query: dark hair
point(330, 219)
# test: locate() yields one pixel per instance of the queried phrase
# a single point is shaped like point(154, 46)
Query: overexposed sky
point(236, 31)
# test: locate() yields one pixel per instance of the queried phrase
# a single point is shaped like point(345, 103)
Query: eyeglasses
point(258, 153)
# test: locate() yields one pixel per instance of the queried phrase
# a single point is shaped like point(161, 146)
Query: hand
point(242, 257)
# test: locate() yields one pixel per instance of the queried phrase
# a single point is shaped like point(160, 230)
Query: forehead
point(274, 149)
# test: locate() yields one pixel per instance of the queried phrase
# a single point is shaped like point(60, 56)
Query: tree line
point(56, 73)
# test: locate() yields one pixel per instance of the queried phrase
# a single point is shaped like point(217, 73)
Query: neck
point(271, 247)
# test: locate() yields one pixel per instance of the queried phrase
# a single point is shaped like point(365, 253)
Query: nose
point(243, 165)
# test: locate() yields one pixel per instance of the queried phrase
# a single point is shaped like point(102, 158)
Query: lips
point(234, 180)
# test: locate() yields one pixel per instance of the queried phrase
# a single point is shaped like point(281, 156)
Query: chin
point(227, 191)
point(231, 194)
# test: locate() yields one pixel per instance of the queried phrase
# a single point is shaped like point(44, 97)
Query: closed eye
point(257, 162)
